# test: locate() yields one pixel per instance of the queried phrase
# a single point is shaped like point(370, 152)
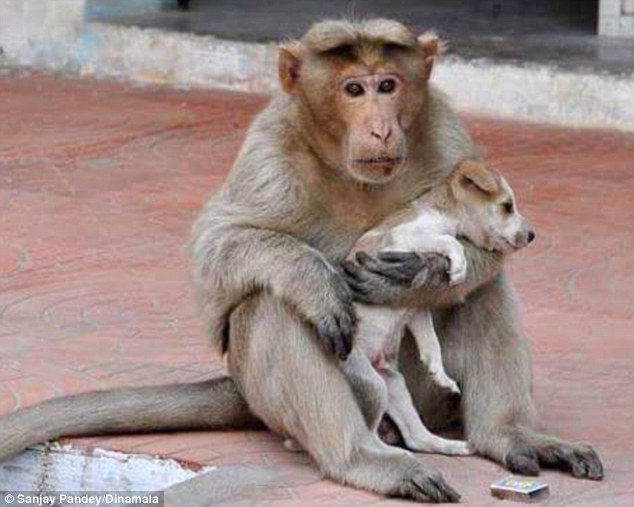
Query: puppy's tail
point(213, 404)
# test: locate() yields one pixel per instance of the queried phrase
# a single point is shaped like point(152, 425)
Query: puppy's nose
point(531, 236)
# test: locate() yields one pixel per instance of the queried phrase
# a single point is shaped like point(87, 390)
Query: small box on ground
point(520, 489)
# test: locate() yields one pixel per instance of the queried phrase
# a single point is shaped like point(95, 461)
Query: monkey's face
point(365, 112)
point(371, 110)
point(361, 90)
point(490, 210)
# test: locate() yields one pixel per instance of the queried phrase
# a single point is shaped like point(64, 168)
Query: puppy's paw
point(457, 268)
point(438, 445)
point(444, 381)
point(458, 448)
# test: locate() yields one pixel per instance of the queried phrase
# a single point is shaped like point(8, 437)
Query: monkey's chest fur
point(344, 215)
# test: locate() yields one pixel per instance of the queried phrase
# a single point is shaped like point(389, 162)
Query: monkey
point(355, 133)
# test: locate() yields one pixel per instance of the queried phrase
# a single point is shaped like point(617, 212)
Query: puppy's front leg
point(422, 327)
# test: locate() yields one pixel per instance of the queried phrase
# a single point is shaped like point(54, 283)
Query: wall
point(41, 33)
point(616, 18)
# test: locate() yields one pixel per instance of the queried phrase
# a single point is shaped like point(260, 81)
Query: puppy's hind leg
point(422, 327)
point(417, 437)
point(368, 387)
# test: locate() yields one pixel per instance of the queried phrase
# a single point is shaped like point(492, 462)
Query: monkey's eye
point(508, 207)
point(354, 89)
point(387, 86)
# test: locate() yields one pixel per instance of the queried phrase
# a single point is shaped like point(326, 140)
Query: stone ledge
point(529, 92)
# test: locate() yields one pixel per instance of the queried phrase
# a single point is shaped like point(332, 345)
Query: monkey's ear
point(472, 176)
point(289, 65)
point(432, 47)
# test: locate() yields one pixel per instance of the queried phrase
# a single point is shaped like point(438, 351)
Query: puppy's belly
point(379, 331)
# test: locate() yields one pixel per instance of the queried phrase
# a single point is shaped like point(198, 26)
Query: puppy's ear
point(432, 47)
point(474, 177)
point(289, 64)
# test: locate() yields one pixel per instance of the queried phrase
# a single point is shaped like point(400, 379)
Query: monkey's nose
point(531, 236)
point(382, 133)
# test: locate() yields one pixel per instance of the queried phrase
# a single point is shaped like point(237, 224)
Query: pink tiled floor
point(99, 184)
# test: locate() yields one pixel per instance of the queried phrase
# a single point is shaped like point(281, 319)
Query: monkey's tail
point(213, 404)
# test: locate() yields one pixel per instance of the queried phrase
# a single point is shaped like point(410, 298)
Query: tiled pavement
point(100, 182)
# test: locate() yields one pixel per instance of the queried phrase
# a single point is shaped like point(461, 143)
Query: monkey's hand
point(328, 304)
point(416, 279)
point(391, 276)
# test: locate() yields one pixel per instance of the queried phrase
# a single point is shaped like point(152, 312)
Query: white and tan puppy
point(474, 203)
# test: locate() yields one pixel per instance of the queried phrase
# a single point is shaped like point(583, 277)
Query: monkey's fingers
point(427, 269)
point(401, 273)
point(347, 326)
point(430, 487)
point(523, 461)
point(435, 271)
point(581, 460)
point(336, 331)
point(368, 287)
point(396, 257)
point(353, 274)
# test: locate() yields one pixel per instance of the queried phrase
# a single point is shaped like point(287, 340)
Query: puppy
point(474, 203)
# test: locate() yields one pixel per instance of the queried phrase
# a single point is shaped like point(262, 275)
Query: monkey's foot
point(523, 461)
point(579, 459)
point(425, 486)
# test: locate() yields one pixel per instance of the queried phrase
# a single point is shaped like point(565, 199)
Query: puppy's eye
point(508, 207)
point(387, 86)
point(354, 89)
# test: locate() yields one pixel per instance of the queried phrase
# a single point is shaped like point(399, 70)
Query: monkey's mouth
point(375, 169)
point(378, 161)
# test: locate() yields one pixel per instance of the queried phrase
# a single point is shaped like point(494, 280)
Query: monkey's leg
point(487, 351)
point(417, 437)
point(300, 392)
point(422, 327)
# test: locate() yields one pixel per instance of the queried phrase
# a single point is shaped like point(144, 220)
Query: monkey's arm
point(418, 278)
point(232, 261)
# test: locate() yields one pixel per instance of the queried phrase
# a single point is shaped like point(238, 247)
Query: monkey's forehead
point(330, 34)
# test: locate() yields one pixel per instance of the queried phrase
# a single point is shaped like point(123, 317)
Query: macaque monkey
point(355, 134)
